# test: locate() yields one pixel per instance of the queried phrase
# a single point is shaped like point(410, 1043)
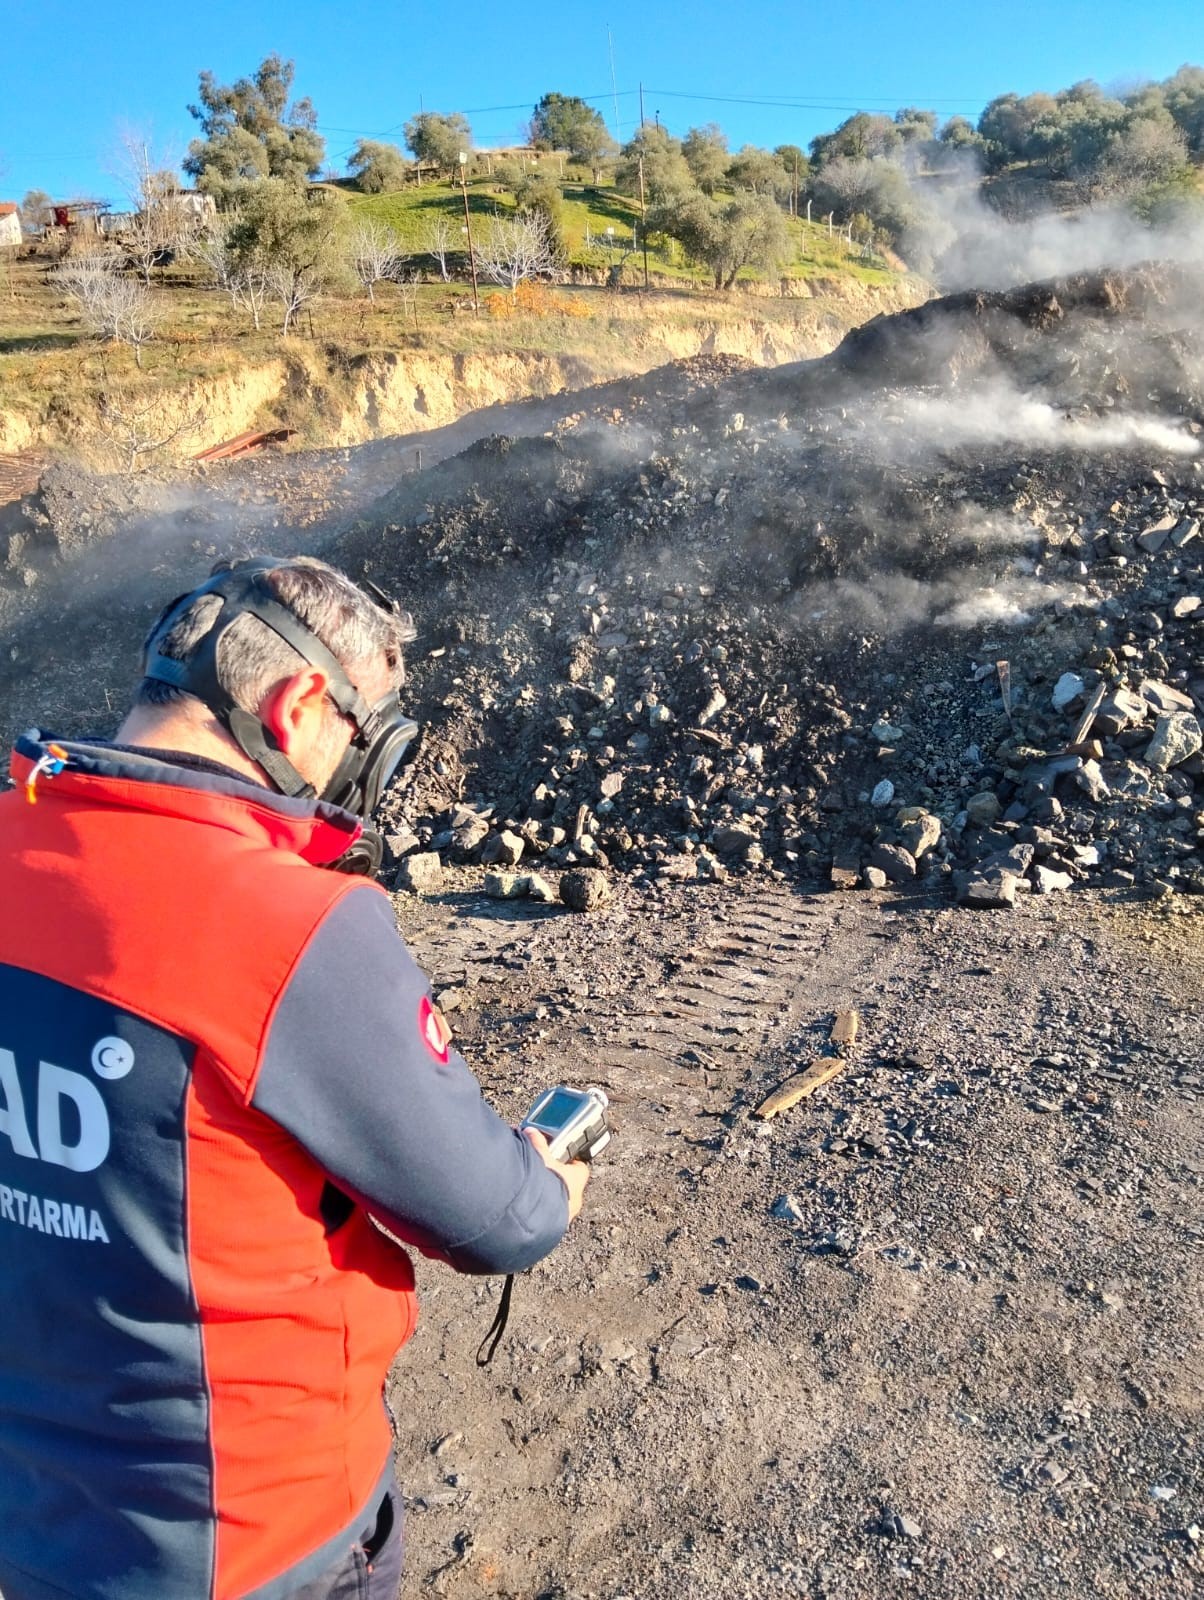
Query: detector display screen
point(559, 1109)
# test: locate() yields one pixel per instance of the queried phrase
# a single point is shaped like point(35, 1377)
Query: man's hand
point(573, 1174)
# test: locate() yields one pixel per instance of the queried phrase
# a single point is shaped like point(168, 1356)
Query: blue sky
point(76, 70)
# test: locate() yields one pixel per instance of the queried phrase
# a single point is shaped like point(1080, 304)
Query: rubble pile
point(724, 633)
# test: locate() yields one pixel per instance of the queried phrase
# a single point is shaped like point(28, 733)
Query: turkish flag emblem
point(436, 1035)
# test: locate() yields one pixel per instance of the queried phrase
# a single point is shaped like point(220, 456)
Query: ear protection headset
point(382, 731)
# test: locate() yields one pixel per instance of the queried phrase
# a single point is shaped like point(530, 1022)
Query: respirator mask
point(382, 732)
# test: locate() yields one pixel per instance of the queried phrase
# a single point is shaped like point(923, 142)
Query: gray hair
point(251, 657)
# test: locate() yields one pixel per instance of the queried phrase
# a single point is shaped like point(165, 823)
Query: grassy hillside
point(588, 211)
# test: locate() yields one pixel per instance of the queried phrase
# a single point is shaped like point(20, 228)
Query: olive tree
point(377, 167)
point(251, 131)
point(435, 139)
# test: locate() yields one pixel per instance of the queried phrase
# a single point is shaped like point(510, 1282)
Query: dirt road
point(935, 1330)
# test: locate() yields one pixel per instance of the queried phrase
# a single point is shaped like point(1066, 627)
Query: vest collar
point(144, 780)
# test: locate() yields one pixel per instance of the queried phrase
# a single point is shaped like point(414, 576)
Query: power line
point(806, 105)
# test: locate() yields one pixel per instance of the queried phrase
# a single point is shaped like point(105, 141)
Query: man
point(218, 1063)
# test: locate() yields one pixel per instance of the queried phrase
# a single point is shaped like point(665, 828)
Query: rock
point(984, 808)
point(883, 794)
point(986, 894)
point(919, 831)
point(1090, 779)
point(787, 1208)
point(402, 841)
point(1122, 709)
point(467, 832)
point(658, 716)
point(540, 889)
point(421, 873)
point(585, 889)
point(1185, 532)
point(1069, 688)
point(733, 841)
point(1163, 698)
point(874, 878)
point(611, 785)
point(1186, 606)
point(505, 885)
point(898, 864)
point(503, 849)
point(1176, 738)
point(1153, 538)
point(1047, 880)
point(714, 705)
point(894, 1525)
point(886, 733)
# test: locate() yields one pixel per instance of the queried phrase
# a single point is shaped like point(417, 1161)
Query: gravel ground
point(936, 1328)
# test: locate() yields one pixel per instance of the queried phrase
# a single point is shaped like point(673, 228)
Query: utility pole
point(641, 105)
point(614, 83)
point(643, 222)
point(472, 258)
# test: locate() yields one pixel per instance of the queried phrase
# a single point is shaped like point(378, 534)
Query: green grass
point(588, 211)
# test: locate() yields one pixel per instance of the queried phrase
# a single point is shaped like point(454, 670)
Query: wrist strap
point(498, 1328)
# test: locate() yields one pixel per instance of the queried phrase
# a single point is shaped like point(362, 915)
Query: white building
point(10, 223)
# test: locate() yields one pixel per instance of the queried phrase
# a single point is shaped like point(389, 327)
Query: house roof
point(8, 208)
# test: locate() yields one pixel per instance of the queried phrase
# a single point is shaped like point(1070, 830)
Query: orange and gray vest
point(217, 1064)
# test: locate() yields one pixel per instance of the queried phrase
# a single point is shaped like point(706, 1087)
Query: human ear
point(293, 710)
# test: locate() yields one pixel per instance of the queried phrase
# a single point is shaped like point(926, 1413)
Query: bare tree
point(109, 305)
point(374, 253)
point(245, 282)
point(514, 250)
point(294, 286)
point(160, 224)
point(136, 428)
point(437, 239)
point(407, 293)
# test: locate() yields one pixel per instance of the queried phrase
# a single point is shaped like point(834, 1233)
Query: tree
point(1007, 124)
point(860, 137)
point(747, 231)
point(916, 126)
point(565, 122)
point(159, 225)
point(1183, 95)
point(435, 140)
point(878, 188)
point(515, 250)
point(110, 305)
point(959, 134)
point(1149, 154)
point(244, 280)
point(374, 253)
point(377, 167)
point(436, 237)
point(288, 239)
point(666, 172)
point(540, 196)
point(139, 427)
point(794, 159)
point(707, 157)
point(759, 171)
point(35, 209)
point(252, 131)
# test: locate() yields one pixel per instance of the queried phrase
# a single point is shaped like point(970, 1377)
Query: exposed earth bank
point(334, 400)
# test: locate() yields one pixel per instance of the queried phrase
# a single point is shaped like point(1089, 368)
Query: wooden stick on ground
point(799, 1086)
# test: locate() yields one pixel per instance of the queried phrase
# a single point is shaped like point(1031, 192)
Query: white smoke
point(973, 246)
point(996, 413)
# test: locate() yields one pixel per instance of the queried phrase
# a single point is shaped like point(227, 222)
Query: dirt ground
point(980, 1313)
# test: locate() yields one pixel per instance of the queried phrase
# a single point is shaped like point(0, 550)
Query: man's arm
point(356, 1068)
